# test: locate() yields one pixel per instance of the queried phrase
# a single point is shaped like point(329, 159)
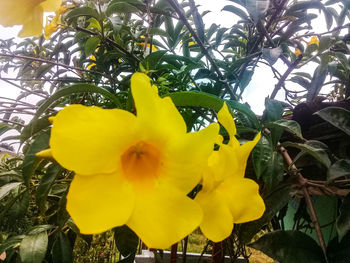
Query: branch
point(303, 183)
point(182, 17)
point(284, 76)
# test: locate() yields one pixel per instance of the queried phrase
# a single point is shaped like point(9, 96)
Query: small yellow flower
point(154, 48)
point(133, 170)
point(92, 57)
point(28, 13)
point(227, 197)
point(55, 23)
point(314, 40)
point(297, 52)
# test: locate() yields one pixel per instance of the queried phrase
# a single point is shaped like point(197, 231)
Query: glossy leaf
point(7, 188)
point(45, 184)
point(340, 168)
point(261, 155)
point(33, 248)
point(290, 246)
point(273, 110)
point(73, 89)
point(343, 221)
point(30, 161)
point(125, 240)
point(290, 125)
point(91, 45)
point(273, 175)
point(61, 250)
point(314, 148)
point(336, 116)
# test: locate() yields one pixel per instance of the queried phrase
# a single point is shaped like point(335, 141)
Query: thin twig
point(181, 15)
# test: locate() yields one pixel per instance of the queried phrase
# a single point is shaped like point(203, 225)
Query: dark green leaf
point(7, 188)
point(274, 202)
point(340, 168)
point(119, 7)
point(313, 148)
point(61, 250)
point(33, 248)
point(261, 155)
point(339, 252)
point(91, 45)
point(73, 89)
point(343, 221)
point(82, 11)
point(45, 184)
point(125, 240)
point(153, 59)
point(237, 11)
point(197, 19)
point(273, 175)
point(290, 125)
point(303, 5)
point(290, 246)
point(11, 242)
point(30, 162)
point(336, 116)
point(273, 110)
point(33, 127)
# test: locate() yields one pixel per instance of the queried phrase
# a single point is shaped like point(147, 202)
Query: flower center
point(141, 162)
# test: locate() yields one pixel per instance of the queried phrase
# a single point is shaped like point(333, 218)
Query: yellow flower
point(314, 40)
point(55, 23)
point(297, 52)
point(227, 197)
point(133, 170)
point(28, 13)
point(142, 44)
point(92, 57)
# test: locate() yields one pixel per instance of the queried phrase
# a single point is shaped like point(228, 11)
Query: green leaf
point(261, 155)
point(33, 248)
point(197, 19)
point(206, 100)
point(339, 252)
point(290, 246)
point(343, 221)
point(152, 60)
point(82, 11)
point(237, 11)
point(314, 148)
point(290, 125)
point(124, 6)
point(11, 242)
point(336, 116)
point(61, 250)
point(273, 110)
point(91, 45)
point(340, 168)
point(273, 175)
point(73, 89)
point(7, 188)
point(4, 127)
point(274, 202)
point(45, 184)
point(303, 5)
point(30, 162)
point(34, 127)
point(125, 240)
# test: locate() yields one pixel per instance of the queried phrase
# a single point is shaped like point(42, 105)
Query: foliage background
point(90, 59)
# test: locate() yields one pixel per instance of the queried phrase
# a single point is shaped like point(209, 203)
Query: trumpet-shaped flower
point(28, 13)
point(55, 23)
point(133, 170)
point(227, 197)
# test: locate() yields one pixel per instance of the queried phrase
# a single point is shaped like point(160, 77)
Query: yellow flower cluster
point(138, 170)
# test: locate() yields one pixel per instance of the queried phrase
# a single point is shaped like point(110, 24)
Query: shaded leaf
point(336, 116)
point(7, 188)
point(91, 45)
point(339, 252)
point(33, 248)
point(61, 249)
point(125, 240)
point(261, 155)
point(340, 168)
point(290, 246)
point(11, 242)
point(343, 221)
point(290, 125)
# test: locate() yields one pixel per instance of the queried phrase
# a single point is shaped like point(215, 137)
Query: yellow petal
point(243, 199)
point(33, 25)
point(45, 154)
point(243, 153)
point(99, 202)
point(226, 119)
point(164, 217)
point(187, 157)
point(51, 5)
point(217, 223)
point(90, 140)
point(155, 113)
point(11, 14)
